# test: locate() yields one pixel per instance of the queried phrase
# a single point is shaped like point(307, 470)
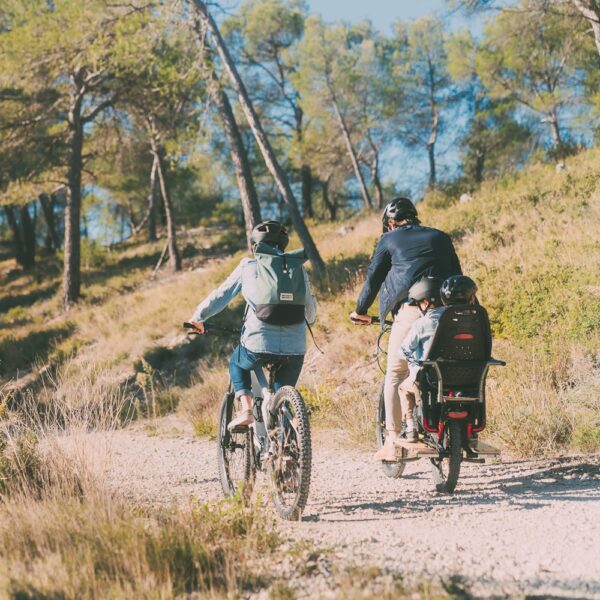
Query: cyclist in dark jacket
point(406, 252)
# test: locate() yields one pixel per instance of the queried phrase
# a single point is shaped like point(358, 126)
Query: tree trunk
point(432, 174)
point(152, 202)
point(479, 166)
point(241, 164)
point(375, 173)
point(261, 139)
point(590, 9)
point(28, 227)
point(48, 204)
point(13, 223)
point(556, 136)
point(306, 176)
point(174, 257)
point(329, 205)
point(307, 187)
point(71, 290)
point(431, 151)
point(351, 153)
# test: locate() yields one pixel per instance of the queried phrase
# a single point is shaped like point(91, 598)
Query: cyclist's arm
point(380, 266)
point(218, 299)
point(310, 309)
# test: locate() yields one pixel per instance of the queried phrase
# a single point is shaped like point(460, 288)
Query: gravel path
point(512, 529)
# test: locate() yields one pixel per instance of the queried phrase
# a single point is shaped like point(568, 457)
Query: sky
point(381, 12)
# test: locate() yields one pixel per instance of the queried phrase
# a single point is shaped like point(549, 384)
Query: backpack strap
point(312, 335)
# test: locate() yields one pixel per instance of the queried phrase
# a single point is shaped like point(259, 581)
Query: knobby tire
point(293, 447)
point(234, 446)
point(446, 483)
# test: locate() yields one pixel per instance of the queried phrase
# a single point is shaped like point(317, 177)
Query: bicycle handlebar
point(208, 327)
point(375, 320)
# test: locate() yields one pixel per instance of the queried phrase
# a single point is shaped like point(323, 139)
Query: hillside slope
point(531, 241)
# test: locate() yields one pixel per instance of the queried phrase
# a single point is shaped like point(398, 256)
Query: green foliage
point(586, 437)
point(94, 255)
point(542, 80)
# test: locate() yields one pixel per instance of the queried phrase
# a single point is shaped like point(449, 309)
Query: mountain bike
point(278, 443)
point(452, 411)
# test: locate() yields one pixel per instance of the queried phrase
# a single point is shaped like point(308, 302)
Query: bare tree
point(241, 164)
point(152, 202)
point(350, 147)
point(157, 151)
point(261, 139)
point(237, 149)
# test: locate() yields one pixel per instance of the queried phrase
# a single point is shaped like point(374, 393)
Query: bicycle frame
point(264, 391)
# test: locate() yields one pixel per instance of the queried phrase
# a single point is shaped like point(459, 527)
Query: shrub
point(94, 255)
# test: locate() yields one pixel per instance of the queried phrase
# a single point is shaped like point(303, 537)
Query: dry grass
point(201, 402)
point(62, 535)
point(101, 548)
point(532, 243)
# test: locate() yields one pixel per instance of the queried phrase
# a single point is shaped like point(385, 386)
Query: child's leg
point(408, 392)
point(241, 364)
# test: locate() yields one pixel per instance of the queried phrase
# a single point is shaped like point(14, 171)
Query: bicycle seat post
point(272, 369)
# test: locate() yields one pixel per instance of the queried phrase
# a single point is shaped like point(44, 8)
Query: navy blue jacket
point(402, 257)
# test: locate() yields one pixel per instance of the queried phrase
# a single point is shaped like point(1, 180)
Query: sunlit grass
point(531, 242)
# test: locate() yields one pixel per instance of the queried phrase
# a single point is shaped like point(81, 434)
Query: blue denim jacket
point(258, 336)
point(415, 346)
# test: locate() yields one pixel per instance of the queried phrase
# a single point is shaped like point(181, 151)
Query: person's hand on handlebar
point(198, 327)
point(361, 319)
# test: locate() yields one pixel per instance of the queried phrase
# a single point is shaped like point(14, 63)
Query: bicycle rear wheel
point(392, 470)
point(235, 454)
point(445, 474)
point(290, 467)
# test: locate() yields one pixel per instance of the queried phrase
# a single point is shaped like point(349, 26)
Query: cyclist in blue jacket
point(406, 252)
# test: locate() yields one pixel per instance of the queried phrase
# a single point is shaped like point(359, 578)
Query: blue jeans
point(243, 362)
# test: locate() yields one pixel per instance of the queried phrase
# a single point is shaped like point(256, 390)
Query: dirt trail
point(511, 529)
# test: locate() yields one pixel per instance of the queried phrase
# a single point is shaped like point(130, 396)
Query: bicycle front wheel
point(393, 470)
point(290, 467)
point(234, 452)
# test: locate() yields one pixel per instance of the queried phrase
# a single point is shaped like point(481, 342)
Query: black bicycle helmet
point(458, 289)
point(399, 209)
point(427, 288)
point(271, 232)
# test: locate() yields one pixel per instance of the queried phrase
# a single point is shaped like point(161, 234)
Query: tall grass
point(101, 548)
point(63, 535)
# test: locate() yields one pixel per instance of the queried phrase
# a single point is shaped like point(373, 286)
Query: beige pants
point(397, 368)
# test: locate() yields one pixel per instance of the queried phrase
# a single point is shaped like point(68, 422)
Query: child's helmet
point(398, 210)
point(458, 289)
point(271, 232)
point(427, 288)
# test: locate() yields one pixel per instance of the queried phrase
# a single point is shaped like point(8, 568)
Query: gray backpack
point(281, 289)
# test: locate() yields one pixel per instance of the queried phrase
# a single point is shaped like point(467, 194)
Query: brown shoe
point(241, 421)
point(387, 453)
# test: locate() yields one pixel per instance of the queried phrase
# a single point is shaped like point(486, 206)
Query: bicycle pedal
point(239, 429)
